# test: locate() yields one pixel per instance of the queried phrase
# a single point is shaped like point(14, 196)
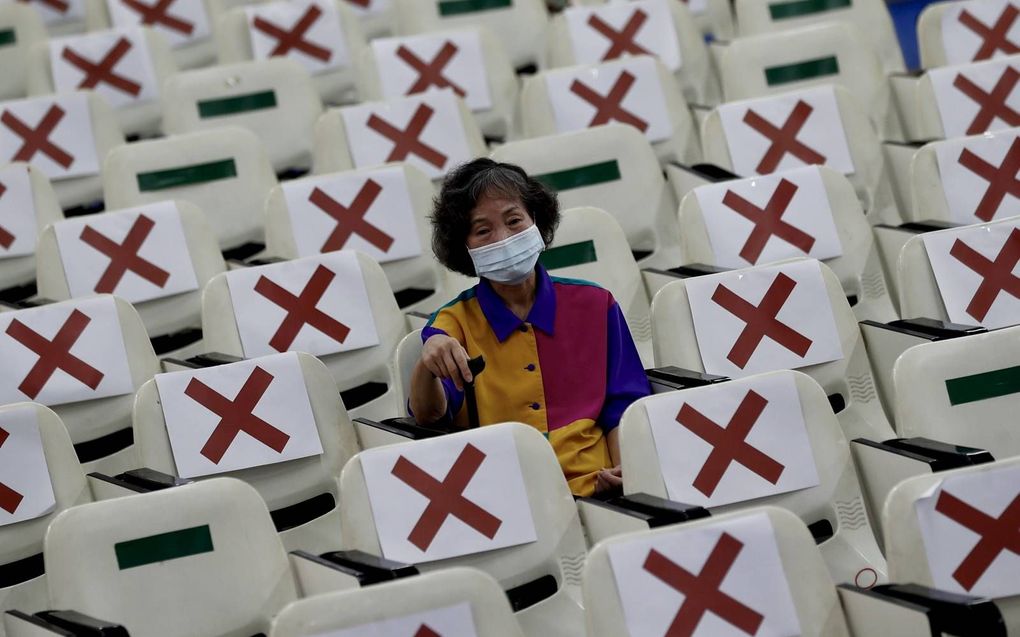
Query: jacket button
point(523, 328)
point(530, 367)
point(535, 406)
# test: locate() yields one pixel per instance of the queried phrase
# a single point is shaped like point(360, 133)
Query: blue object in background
point(904, 14)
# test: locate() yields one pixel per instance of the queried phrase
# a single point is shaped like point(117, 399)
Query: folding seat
point(513, 516)
point(966, 31)
point(820, 125)
point(85, 359)
point(125, 66)
point(470, 61)
point(275, 99)
point(832, 53)
point(871, 17)
point(68, 16)
point(377, 17)
point(324, 36)
point(519, 24)
point(337, 306)
point(27, 205)
point(612, 167)
point(433, 131)
point(157, 257)
point(454, 601)
point(636, 91)
point(21, 29)
point(225, 172)
point(66, 137)
point(666, 30)
point(759, 220)
point(714, 18)
point(382, 212)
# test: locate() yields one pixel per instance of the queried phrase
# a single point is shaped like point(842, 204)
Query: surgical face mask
point(510, 260)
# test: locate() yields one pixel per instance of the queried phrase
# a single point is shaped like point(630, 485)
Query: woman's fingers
point(452, 370)
point(460, 355)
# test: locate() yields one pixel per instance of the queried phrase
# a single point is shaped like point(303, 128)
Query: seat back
point(27, 205)
point(638, 91)
point(612, 167)
point(73, 16)
point(328, 49)
point(21, 29)
point(703, 335)
point(962, 31)
point(199, 559)
point(337, 306)
point(962, 99)
point(757, 570)
point(186, 26)
point(377, 17)
point(275, 99)
point(406, 357)
point(225, 172)
point(723, 224)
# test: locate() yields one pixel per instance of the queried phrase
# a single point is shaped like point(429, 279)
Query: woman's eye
point(515, 221)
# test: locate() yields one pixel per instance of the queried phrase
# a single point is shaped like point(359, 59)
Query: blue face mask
point(510, 260)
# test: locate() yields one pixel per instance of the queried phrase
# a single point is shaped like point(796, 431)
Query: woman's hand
point(607, 479)
point(445, 357)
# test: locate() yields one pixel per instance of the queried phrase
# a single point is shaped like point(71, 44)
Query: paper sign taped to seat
point(115, 64)
point(979, 29)
point(975, 98)
point(448, 621)
point(608, 32)
point(52, 133)
point(976, 175)
point(18, 224)
point(26, 490)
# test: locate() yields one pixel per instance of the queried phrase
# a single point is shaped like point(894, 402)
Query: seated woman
point(558, 354)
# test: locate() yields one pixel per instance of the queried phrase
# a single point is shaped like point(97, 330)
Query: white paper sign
point(752, 128)
point(308, 31)
point(137, 253)
point(55, 12)
point(771, 453)
point(419, 63)
point(18, 225)
point(26, 491)
point(970, 30)
point(739, 216)
point(653, 571)
point(626, 91)
point(63, 353)
point(237, 416)
point(764, 318)
point(52, 133)
point(368, 210)
point(182, 22)
point(976, 271)
point(317, 305)
point(611, 31)
point(977, 176)
point(448, 621)
point(115, 64)
point(425, 130)
point(979, 97)
point(478, 471)
point(968, 524)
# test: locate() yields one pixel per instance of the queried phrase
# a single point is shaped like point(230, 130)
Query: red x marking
point(159, 13)
point(406, 141)
point(783, 140)
point(446, 498)
point(768, 221)
point(236, 415)
point(996, 276)
point(610, 106)
point(9, 498)
point(994, 38)
point(302, 310)
point(350, 220)
point(730, 444)
point(992, 104)
point(103, 71)
point(760, 320)
point(621, 41)
point(37, 139)
point(426, 631)
point(431, 73)
point(55, 354)
point(295, 37)
point(1001, 179)
point(996, 535)
point(60, 6)
point(124, 256)
point(6, 238)
point(701, 592)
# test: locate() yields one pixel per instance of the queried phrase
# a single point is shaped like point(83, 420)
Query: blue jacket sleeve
point(454, 397)
point(625, 375)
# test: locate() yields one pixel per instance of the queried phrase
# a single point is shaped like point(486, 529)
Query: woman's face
point(496, 218)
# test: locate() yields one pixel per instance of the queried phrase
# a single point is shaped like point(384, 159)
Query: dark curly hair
point(464, 186)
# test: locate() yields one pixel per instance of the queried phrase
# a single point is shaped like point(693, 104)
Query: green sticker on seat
point(238, 104)
point(164, 547)
point(186, 175)
point(568, 255)
point(460, 7)
point(971, 389)
point(590, 175)
point(797, 8)
point(802, 71)
point(8, 36)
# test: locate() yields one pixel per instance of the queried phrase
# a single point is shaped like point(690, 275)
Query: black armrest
point(948, 613)
point(405, 427)
point(706, 171)
point(918, 227)
point(206, 359)
point(17, 293)
point(927, 328)
point(679, 378)
point(688, 271)
point(175, 340)
point(24, 304)
point(939, 456)
point(71, 624)
point(366, 568)
point(239, 254)
point(418, 314)
point(652, 510)
point(143, 480)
